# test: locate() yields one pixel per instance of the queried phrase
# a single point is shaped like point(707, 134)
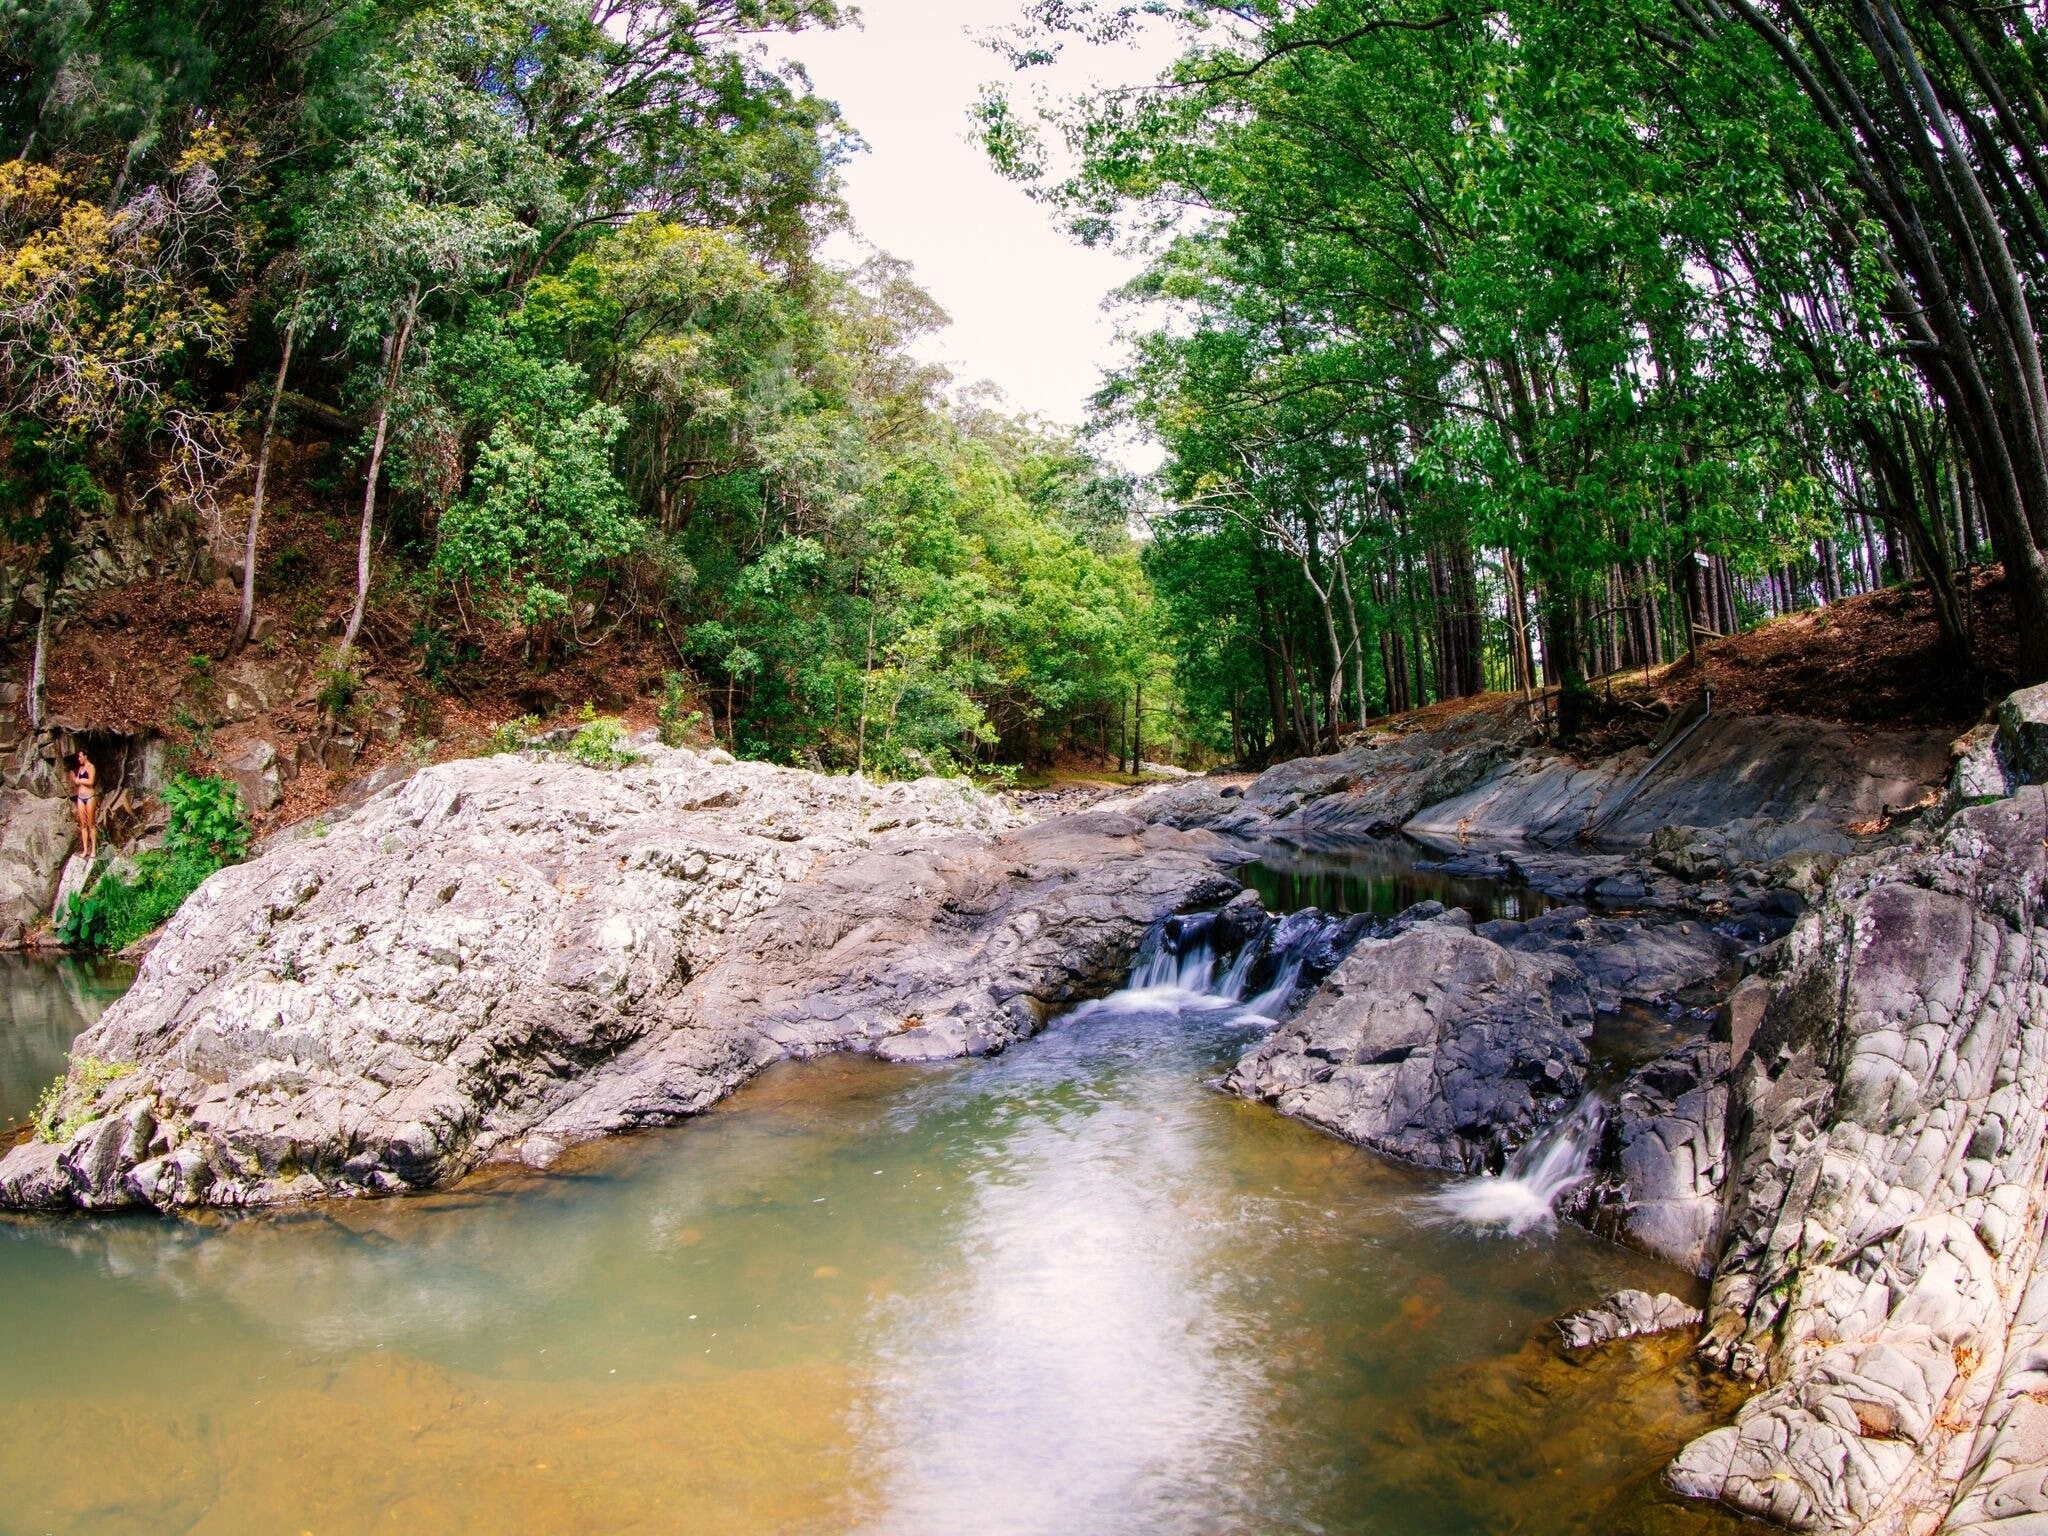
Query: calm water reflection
point(43, 1006)
point(1069, 1290)
point(1382, 876)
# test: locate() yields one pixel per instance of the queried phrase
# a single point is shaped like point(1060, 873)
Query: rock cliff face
point(1883, 1274)
point(503, 955)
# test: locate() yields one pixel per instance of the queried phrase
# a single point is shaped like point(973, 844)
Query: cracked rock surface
point(1883, 1274)
point(1449, 1046)
point(1626, 1315)
point(506, 955)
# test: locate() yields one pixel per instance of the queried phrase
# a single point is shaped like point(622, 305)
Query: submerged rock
point(1626, 1315)
point(515, 946)
point(1883, 1268)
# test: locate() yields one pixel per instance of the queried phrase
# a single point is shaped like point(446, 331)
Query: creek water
point(1068, 1289)
point(1381, 876)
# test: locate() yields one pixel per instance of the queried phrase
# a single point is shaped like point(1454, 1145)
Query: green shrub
point(673, 725)
point(512, 736)
point(206, 831)
point(602, 742)
point(341, 693)
point(94, 1076)
point(206, 819)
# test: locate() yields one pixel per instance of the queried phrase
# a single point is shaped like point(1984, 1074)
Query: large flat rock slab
point(1803, 780)
point(505, 944)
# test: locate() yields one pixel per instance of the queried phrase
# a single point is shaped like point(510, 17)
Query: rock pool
point(1068, 1289)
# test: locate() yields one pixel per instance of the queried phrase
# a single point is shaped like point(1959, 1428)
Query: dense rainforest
point(1491, 346)
point(546, 278)
point(1506, 343)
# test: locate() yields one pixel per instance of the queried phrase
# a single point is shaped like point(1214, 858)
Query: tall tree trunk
point(1357, 641)
point(248, 615)
point(400, 342)
point(37, 661)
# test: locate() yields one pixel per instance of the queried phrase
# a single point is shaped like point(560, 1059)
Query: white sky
point(1026, 300)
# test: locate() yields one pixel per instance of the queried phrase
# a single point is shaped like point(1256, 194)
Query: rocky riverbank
point(502, 957)
point(1857, 1153)
point(506, 955)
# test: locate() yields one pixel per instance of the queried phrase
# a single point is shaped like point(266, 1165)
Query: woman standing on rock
point(84, 793)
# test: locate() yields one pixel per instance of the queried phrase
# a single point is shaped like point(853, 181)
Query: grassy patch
point(93, 1077)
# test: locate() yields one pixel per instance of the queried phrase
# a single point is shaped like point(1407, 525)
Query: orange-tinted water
point(1071, 1290)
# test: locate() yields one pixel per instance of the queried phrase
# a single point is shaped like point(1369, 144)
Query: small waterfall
point(1524, 1195)
point(1175, 970)
point(1254, 967)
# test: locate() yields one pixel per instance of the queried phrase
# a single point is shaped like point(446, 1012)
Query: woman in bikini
point(84, 792)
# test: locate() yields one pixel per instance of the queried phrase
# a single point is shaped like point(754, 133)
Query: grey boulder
point(521, 945)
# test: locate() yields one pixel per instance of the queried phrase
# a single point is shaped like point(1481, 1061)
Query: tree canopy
point(551, 270)
point(1501, 341)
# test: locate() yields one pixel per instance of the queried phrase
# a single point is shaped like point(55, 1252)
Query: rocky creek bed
point(500, 960)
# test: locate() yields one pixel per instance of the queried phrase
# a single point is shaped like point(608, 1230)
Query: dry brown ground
point(128, 655)
point(1873, 660)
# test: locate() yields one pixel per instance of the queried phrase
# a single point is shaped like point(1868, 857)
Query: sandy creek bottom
point(1069, 1290)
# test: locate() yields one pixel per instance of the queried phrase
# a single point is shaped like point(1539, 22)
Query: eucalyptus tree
point(1937, 187)
point(423, 208)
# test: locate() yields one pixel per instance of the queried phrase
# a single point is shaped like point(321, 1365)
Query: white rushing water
point(1184, 972)
point(1523, 1196)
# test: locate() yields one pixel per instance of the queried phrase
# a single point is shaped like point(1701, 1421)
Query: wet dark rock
point(1624, 959)
point(1449, 1045)
point(2022, 739)
point(1663, 1159)
point(1241, 921)
point(1433, 1045)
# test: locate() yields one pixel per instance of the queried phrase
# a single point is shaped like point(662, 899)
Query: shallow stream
point(1072, 1289)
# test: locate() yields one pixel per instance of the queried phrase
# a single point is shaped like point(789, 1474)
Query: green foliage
point(601, 742)
point(206, 831)
point(81, 1087)
point(544, 513)
point(564, 273)
point(1465, 321)
point(672, 724)
point(339, 689)
point(206, 819)
point(512, 735)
